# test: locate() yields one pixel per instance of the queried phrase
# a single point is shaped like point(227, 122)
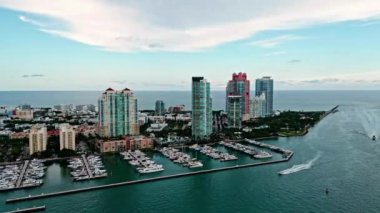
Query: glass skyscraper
point(201, 108)
point(265, 85)
point(239, 86)
point(160, 107)
point(118, 113)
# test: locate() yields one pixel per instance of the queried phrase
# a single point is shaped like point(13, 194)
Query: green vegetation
point(11, 149)
point(288, 123)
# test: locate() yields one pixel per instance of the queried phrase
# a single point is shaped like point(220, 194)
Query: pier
point(113, 185)
point(268, 146)
point(19, 180)
point(33, 209)
point(89, 173)
point(136, 158)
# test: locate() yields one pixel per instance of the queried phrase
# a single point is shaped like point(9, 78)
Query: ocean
point(337, 154)
point(283, 100)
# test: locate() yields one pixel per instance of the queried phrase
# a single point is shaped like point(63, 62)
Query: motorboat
point(263, 155)
point(150, 170)
point(374, 138)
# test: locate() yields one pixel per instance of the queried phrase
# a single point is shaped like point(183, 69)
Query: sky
point(161, 44)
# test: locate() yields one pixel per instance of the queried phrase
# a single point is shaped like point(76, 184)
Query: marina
point(87, 168)
point(144, 165)
point(247, 150)
point(17, 176)
point(180, 158)
point(147, 180)
point(213, 153)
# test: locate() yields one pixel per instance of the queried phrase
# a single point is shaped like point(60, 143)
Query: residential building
point(160, 107)
point(127, 143)
point(265, 85)
point(177, 108)
point(239, 86)
point(66, 137)
point(234, 113)
point(23, 114)
point(37, 139)
point(118, 113)
point(259, 106)
point(201, 108)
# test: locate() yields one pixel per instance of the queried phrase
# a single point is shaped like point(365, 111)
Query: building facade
point(37, 139)
point(127, 143)
point(23, 114)
point(239, 86)
point(234, 113)
point(160, 107)
point(265, 85)
point(201, 108)
point(259, 106)
point(67, 137)
point(118, 113)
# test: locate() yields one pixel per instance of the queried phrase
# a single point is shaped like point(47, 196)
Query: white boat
point(150, 170)
point(195, 164)
point(134, 163)
point(263, 155)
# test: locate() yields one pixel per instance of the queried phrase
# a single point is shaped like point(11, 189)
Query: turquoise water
point(346, 161)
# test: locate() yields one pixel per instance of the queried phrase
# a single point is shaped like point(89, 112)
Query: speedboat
point(150, 170)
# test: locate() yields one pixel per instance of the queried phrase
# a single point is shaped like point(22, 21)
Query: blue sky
point(92, 45)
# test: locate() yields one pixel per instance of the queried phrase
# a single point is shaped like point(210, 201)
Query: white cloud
point(272, 42)
point(30, 21)
point(167, 25)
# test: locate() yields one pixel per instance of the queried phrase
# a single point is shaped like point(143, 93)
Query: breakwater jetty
point(32, 209)
point(74, 191)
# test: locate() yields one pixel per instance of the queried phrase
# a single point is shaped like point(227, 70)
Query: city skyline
point(53, 46)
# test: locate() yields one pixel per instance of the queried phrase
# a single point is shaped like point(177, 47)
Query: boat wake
point(300, 167)
point(370, 120)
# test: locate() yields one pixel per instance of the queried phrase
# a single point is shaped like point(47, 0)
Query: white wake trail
point(300, 167)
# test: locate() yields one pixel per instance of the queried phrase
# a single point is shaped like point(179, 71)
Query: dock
point(113, 185)
point(84, 159)
point(268, 146)
point(32, 209)
point(19, 180)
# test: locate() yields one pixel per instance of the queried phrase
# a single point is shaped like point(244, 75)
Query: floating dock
point(89, 173)
point(74, 191)
point(23, 170)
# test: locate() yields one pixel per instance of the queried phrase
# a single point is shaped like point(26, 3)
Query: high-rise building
point(234, 114)
point(259, 106)
point(160, 107)
point(118, 113)
point(37, 139)
point(239, 86)
point(265, 85)
point(201, 108)
point(66, 137)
